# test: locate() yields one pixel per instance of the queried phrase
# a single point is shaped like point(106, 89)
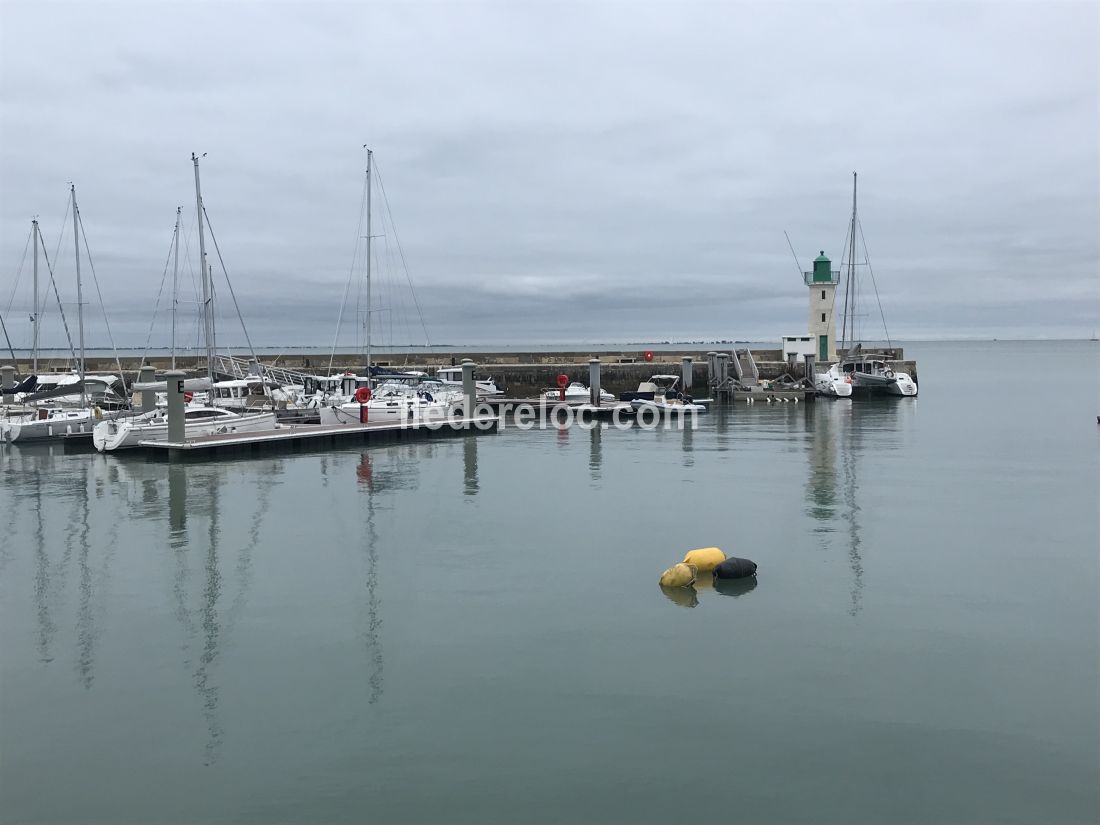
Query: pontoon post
point(176, 429)
point(594, 381)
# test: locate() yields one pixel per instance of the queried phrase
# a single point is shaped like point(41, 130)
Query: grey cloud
point(561, 172)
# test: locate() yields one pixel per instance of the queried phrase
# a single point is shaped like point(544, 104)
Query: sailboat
point(392, 400)
point(198, 420)
point(864, 371)
point(46, 423)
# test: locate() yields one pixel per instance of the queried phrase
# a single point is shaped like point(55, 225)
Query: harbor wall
point(521, 374)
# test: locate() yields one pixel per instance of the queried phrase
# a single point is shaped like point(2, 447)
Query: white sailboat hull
point(109, 436)
point(388, 411)
point(57, 426)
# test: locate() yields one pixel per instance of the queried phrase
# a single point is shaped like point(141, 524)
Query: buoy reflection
point(735, 587)
point(682, 596)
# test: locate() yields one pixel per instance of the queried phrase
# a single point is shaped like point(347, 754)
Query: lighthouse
point(822, 282)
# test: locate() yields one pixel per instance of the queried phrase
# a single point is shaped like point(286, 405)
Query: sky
point(555, 172)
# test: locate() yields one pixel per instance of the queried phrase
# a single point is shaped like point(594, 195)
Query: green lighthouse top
point(823, 273)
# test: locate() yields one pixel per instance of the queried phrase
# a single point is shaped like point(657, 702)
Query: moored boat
point(120, 434)
point(576, 391)
point(661, 392)
point(452, 377)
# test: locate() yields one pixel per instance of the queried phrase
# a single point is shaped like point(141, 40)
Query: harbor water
point(470, 629)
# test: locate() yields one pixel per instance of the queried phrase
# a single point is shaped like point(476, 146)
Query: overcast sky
point(562, 172)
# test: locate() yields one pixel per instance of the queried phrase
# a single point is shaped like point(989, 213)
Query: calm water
point(469, 630)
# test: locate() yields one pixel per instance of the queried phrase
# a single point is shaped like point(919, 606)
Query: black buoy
point(733, 568)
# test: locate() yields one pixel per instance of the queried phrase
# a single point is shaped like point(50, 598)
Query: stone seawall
point(522, 374)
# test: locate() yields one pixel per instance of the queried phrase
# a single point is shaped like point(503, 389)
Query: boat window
point(201, 414)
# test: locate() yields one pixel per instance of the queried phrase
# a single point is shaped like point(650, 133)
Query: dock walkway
point(298, 435)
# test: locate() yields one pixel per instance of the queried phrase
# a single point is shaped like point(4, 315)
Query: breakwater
point(521, 373)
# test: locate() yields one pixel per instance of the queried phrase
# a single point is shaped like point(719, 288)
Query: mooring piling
point(7, 381)
point(469, 388)
point(147, 375)
point(176, 430)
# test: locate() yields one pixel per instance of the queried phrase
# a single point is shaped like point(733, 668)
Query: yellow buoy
point(679, 575)
point(705, 559)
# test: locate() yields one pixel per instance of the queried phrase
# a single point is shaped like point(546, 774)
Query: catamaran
point(861, 370)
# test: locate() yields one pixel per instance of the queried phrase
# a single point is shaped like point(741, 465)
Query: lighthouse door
point(823, 348)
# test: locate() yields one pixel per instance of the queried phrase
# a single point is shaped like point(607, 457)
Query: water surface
point(470, 630)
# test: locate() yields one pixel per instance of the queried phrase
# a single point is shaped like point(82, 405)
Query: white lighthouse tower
point(822, 282)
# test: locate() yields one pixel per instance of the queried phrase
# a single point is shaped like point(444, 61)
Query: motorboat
point(576, 391)
point(452, 377)
point(661, 392)
point(119, 434)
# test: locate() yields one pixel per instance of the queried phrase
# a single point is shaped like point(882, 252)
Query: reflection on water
point(828, 436)
point(211, 631)
point(85, 622)
point(366, 476)
point(852, 519)
point(379, 473)
point(735, 587)
point(832, 493)
point(46, 626)
point(682, 596)
point(469, 464)
point(595, 452)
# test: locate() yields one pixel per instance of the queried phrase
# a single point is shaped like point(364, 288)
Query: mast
point(175, 278)
point(850, 284)
point(79, 295)
point(852, 255)
point(370, 154)
point(207, 303)
point(34, 344)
